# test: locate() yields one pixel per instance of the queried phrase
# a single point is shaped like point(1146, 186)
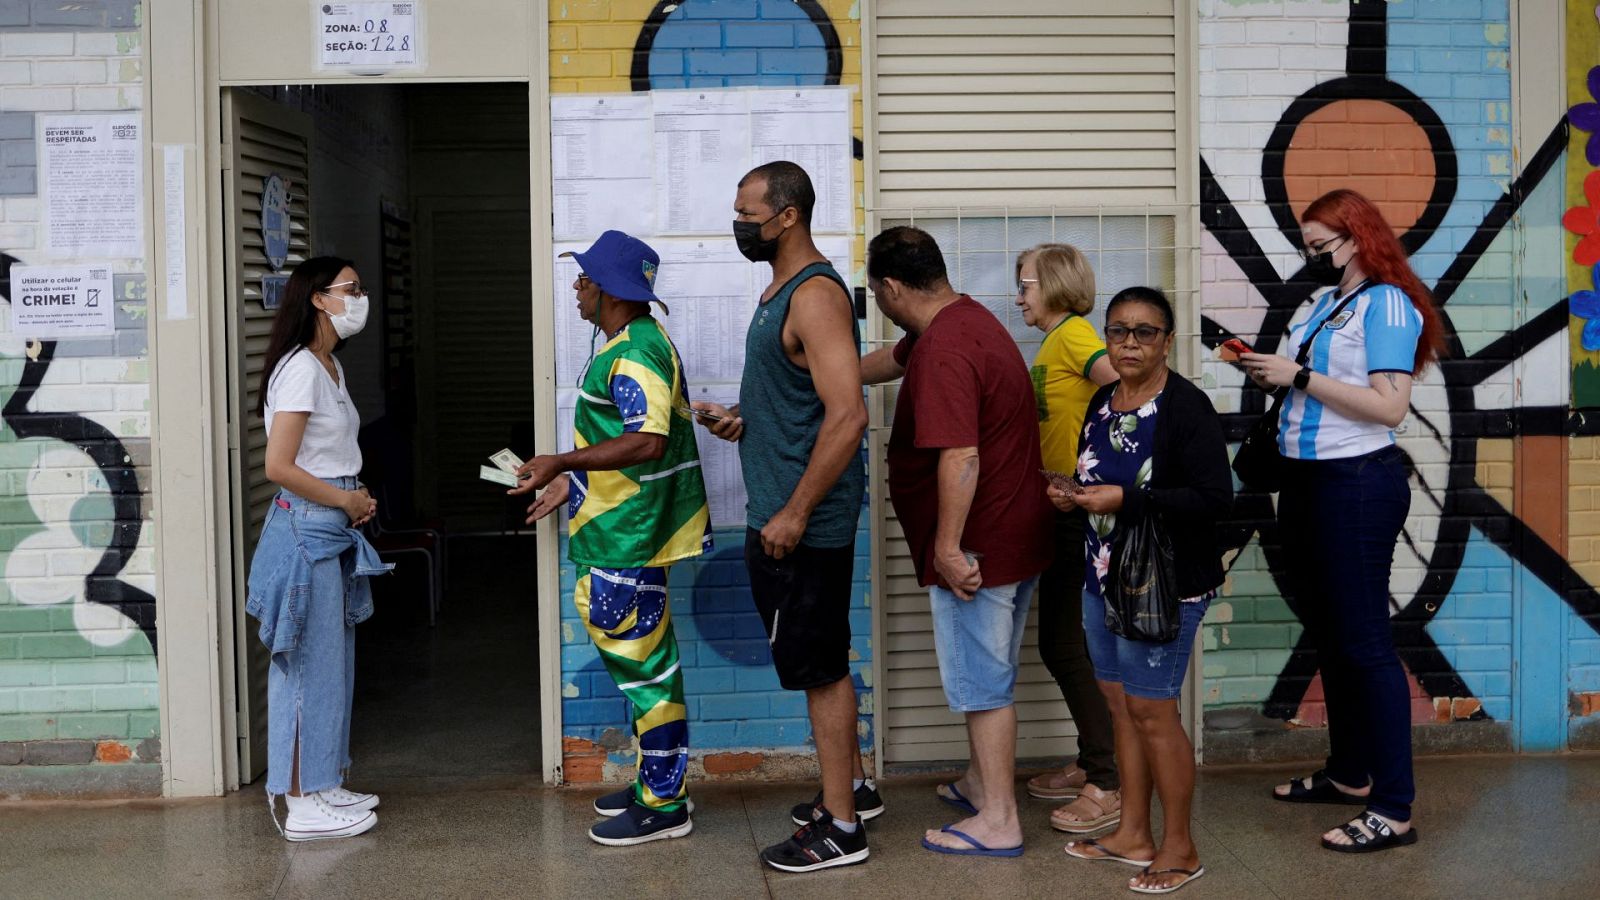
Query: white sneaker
point(350, 801)
point(311, 818)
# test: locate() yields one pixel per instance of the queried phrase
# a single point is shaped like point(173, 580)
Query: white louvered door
point(976, 108)
point(261, 139)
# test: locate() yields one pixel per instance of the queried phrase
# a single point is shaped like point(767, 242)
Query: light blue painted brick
point(793, 62)
point(676, 35)
point(688, 653)
point(734, 706)
point(758, 678)
point(748, 626)
point(575, 656)
point(1497, 632)
point(1497, 684)
point(707, 81)
point(1584, 653)
point(775, 80)
point(712, 735)
point(691, 708)
point(1482, 659)
point(719, 9)
point(720, 680)
point(717, 62)
point(860, 623)
point(666, 63)
point(1477, 607)
point(595, 712)
point(1419, 35)
point(758, 34)
point(1498, 580)
point(790, 704)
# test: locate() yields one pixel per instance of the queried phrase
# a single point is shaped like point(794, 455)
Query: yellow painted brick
point(580, 65)
point(1495, 449)
point(1584, 472)
point(564, 86)
point(563, 37)
point(840, 10)
point(1589, 572)
point(852, 63)
point(580, 11)
point(1580, 499)
point(635, 11)
point(607, 85)
point(608, 37)
point(1585, 523)
point(1583, 448)
point(622, 62)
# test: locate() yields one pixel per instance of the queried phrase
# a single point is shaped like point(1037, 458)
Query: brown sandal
point(1058, 784)
point(1093, 810)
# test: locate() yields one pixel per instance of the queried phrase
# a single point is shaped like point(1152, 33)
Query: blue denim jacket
point(297, 534)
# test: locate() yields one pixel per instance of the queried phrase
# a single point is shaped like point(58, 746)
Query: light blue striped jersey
point(1377, 332)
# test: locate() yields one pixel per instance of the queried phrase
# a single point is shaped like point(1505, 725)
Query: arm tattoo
point(1392, 383)
point(966, 469)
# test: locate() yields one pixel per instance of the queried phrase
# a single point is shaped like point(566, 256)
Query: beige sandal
point(1058, 784)
point(1093, 810)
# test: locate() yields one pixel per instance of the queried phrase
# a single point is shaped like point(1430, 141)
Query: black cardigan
point(1190, 481)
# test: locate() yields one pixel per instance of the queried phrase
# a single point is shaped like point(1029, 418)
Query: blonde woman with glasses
point(1055, 291)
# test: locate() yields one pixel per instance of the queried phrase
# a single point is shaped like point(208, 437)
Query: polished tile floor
point(1490, 827)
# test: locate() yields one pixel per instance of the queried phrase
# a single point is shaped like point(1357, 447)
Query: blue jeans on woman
point(308, 589)
point(1339, 521)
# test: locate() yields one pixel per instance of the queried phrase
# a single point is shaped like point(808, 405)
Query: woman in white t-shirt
point(308, 578)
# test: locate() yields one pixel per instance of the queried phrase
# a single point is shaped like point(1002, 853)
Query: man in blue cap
point(636, 503)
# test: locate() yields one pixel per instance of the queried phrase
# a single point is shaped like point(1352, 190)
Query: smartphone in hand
point(1232, 348)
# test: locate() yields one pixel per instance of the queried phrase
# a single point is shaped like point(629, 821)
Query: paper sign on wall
point(90, 167)
point(367, 37)
point(62, 301)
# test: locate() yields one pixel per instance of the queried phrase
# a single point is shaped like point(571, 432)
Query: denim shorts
point(978, 641)
point(1143, 668)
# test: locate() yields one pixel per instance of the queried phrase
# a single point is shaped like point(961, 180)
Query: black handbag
point(1142, 602)
point(1258, 463)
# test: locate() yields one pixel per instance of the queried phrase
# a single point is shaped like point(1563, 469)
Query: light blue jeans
point(978, 642)
point(310, 688)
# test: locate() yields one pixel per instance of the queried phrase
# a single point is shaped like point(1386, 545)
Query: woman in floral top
point(1151, 443)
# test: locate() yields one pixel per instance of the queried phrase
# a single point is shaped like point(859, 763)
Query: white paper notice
point(62, 301)
point(810, 127)
point(710, 289)
point(719, 461)
point(837, 249)
point(702, 150)
point(601, 165)
point(90, 167)
point(370, 37)
point(176, 230)
point(574, 337)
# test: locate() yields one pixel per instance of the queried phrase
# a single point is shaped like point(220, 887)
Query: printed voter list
point(61, 301)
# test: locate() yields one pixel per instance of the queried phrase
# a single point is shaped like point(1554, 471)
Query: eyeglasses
point(1144, 334)
point(1311, 251)
point(584, 280)
point(1022, 285)
point(354, 289)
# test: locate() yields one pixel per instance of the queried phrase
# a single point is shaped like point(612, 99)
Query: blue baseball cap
point(622, 265)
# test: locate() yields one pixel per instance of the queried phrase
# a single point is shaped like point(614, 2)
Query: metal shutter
point(1007, 104)
point(1027, 102)
point(262, 138)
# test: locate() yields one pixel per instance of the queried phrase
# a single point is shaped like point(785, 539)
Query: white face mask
point(354, 318)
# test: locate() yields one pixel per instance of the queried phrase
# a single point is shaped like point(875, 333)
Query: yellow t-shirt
point(1062, 388)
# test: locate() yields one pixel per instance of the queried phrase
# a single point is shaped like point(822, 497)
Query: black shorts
point(804, 601)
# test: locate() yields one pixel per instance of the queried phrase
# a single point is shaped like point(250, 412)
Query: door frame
point(191, 481)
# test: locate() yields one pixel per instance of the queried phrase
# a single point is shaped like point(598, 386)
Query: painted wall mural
point(78, 628)
point(1408, 102)
point(734, 700)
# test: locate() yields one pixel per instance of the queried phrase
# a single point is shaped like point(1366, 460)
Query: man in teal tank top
point(799, 423)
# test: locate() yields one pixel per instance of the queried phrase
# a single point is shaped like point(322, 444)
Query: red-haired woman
point(1344, 500)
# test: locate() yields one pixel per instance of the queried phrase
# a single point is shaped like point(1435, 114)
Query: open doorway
point(426, 189)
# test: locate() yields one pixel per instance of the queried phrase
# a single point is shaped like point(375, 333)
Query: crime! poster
point(62, 301)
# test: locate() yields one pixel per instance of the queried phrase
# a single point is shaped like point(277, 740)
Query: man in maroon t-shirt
point(965, 483)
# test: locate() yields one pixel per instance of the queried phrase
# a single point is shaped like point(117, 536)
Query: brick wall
point(739, 718)
point(1271, 64)
point(78, 687)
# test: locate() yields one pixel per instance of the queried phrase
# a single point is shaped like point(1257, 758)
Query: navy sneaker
point(614, 804)
point(640, 824)
point(819, 844)
point(868, 805)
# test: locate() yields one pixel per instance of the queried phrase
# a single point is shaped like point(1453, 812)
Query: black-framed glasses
point(1144, 334)
point(1312, 251)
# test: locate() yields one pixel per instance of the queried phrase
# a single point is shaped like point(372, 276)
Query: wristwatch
point(1302, 378)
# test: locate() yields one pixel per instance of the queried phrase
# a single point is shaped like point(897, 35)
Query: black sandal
point(1382, 837)
point(1322, 790)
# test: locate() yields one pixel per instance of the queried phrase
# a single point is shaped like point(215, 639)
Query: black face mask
point(1320, 268)
point(756, 249)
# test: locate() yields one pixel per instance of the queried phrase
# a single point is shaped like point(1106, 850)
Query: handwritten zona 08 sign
point(367, 36)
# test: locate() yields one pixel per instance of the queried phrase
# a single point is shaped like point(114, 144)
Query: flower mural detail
point(1585, 221)
point(1586, 117)
point(1586, 306)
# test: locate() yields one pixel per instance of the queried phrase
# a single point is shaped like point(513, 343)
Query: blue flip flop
point(978, 849)
point(959, 801)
